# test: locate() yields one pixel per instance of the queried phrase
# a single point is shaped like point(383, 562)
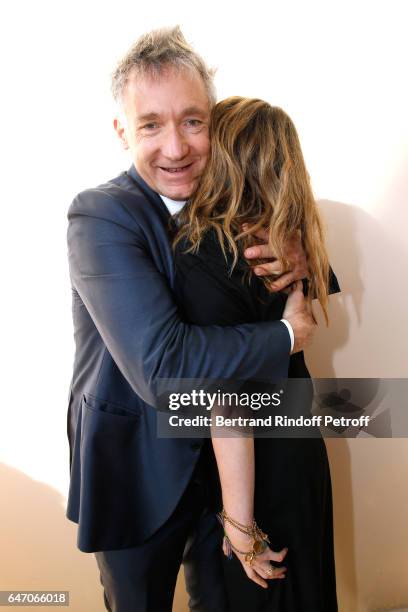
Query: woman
point(256, 179)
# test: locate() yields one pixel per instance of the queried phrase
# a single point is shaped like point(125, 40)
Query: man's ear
point(120, 130)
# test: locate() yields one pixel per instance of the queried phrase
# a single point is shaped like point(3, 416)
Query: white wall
point(339, 69)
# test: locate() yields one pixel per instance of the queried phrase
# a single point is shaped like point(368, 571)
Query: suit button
point(196, 446)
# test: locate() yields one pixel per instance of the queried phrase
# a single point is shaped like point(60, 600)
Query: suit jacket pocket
point(91, 402)
point(111, 448)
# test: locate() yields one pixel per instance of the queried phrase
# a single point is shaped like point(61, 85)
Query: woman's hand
point(260, 570)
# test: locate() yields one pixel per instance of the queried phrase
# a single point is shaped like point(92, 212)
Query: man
point(142, 502)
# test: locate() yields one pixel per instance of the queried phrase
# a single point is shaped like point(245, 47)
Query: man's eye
point(150, 126)
point(194, 122)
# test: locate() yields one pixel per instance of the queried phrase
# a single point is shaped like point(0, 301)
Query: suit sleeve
point(135, 313)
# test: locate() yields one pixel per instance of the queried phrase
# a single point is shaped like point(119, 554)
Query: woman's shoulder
point(212, 267)
point(209, 252)
point(216, 244)
point(212, 259)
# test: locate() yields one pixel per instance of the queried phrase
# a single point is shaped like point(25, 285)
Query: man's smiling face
point(166, 129)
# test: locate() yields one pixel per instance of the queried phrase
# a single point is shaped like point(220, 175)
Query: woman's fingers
point(269, 572)
point(263, 566)
point(253, 575)
point(262, 569)
point(272, 555)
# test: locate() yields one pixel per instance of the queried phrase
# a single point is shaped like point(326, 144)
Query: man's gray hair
point(155, 52)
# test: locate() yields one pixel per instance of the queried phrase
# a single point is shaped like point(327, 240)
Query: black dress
point(293, 498)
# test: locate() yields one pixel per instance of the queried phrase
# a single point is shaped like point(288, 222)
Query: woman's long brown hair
point(256, 175)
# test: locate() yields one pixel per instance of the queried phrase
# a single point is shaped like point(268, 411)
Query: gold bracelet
point(251, 530)
point(248, 529)
point(258, 547)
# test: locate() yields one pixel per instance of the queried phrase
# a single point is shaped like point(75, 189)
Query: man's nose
point(174, 145)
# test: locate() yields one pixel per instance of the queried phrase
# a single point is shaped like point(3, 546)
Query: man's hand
point(298, 313)
point(295, 254)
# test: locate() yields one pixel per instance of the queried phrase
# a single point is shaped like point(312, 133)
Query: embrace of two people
point(190, 266)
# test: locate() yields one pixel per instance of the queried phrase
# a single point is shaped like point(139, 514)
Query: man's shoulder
point(114, 197)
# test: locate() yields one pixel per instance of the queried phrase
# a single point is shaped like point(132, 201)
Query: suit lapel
point(151, 195)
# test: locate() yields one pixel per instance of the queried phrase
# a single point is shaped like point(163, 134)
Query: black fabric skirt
point(293, 505)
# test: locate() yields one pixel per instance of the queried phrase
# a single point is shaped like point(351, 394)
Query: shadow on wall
point(341, 238)
point(345, 258)
point(365, 339)
point(39, 544)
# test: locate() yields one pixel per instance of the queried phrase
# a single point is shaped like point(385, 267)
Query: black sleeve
point(334, 286)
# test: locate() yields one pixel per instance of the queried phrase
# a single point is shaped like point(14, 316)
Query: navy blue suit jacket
point(129, 334)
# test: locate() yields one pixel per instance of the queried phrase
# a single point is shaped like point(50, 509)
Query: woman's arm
point(235, 458)
point(210, 295)
point(236, 467)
